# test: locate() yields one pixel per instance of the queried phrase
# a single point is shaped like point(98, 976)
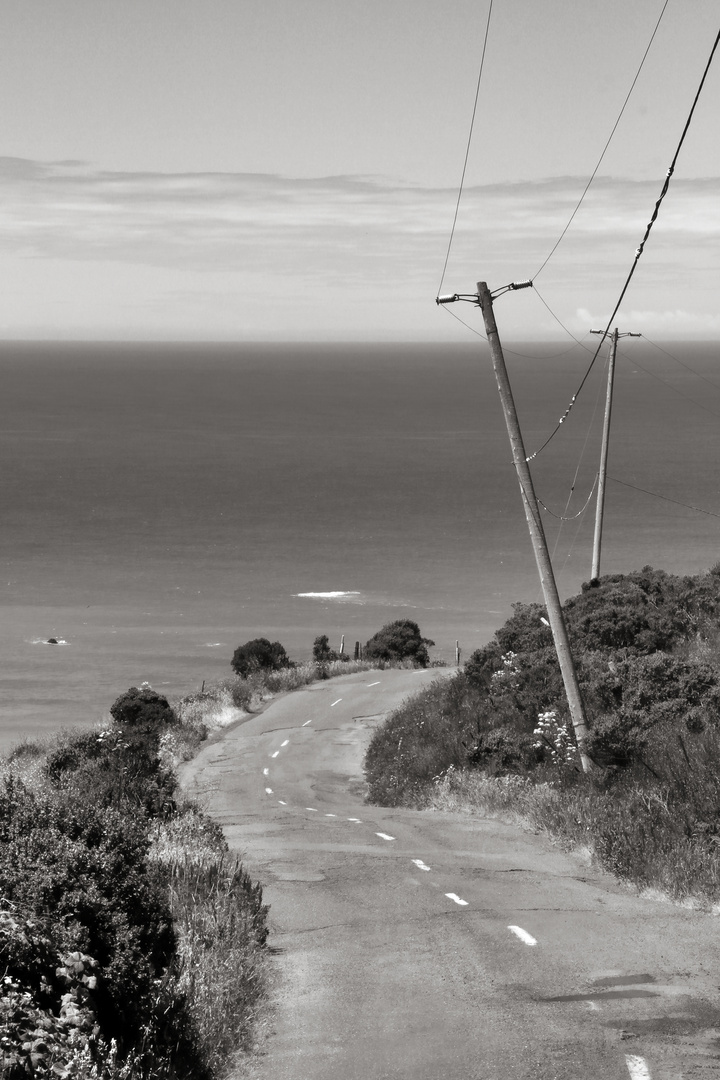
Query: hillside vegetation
point(496, 738)
point(131, 940)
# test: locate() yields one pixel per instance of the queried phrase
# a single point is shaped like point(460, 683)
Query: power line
point(638, 251)
point(665, 498)
point(674, 389)
point(558, 320)
point(467, 149)
point(682, 364)
point(571, 517)
point(599, 162)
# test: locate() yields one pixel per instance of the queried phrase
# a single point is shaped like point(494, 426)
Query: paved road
point(426, 946)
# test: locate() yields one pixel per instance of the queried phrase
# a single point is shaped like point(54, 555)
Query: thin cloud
point(67, 210)
point(363, 239)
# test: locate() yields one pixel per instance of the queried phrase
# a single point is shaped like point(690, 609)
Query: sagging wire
point(559, 321)
point(571, 517)
point(607, 144)
point(467, 148)
point(638, 251)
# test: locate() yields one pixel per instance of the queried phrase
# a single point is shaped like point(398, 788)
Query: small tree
point(259, 655)
point(142, 707)
point(400, 640)
point(323, 654)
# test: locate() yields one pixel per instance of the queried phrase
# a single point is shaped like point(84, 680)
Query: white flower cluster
point(556, 735)
point(508, 672)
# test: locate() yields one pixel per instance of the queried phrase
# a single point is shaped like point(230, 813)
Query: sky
point(289, 170)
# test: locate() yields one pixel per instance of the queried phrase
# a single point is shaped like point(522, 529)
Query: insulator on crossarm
point(449, 299)
point(521, 285)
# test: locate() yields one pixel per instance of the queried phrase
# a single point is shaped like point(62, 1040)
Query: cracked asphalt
point(428, 946)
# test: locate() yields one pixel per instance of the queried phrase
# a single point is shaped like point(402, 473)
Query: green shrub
point(419, 741)
point(112, 767)
point(79, 873)
point(259, 655)
point(399, 640)
point(142, 708)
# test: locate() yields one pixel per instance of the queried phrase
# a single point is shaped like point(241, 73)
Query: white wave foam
point(337, 595)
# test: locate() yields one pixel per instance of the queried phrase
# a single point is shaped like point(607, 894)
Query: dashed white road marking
point(355, 819)
point(284, 743)
point(269, 790)
point(307, 722)
point(523, 935)
point(420, 864)
point(266, 772)
point(275, 754)
point(336, 702)
point(282, 803)
point(456, 898)
point(384, 836)
point(637, 1067)
point(331, 815)
point(374, 683)
point(312, 809)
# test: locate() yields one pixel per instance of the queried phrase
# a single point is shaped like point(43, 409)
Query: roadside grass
point(220, 925)
point(632, 832)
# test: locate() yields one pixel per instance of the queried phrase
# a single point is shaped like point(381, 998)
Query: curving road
point(430, 946)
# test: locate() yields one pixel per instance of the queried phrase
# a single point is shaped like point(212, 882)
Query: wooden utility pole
point(537, 533)
point(602, 475)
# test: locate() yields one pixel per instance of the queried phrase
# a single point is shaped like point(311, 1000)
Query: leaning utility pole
point(537, 533)
point(602, 475)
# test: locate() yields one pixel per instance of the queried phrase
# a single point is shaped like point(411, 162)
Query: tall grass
point(220, 924)
point(635, 833)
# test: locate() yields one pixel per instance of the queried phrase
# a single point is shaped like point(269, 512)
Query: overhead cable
point(638, 251)
point(665, 498)
point(467, 148)
point(599, 161)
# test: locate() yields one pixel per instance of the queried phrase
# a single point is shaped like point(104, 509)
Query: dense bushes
point(104, 969)
point(645, 646)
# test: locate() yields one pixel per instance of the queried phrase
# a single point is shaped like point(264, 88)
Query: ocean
point(162, 504)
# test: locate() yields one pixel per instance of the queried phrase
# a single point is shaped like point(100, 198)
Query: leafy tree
point(259, 654)
point(322, 652)
point(142, 708)
point(399, 640)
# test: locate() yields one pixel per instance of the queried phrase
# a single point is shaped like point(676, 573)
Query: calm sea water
point(163, 504)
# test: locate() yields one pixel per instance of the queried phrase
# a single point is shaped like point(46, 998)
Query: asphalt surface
point(429, 946)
